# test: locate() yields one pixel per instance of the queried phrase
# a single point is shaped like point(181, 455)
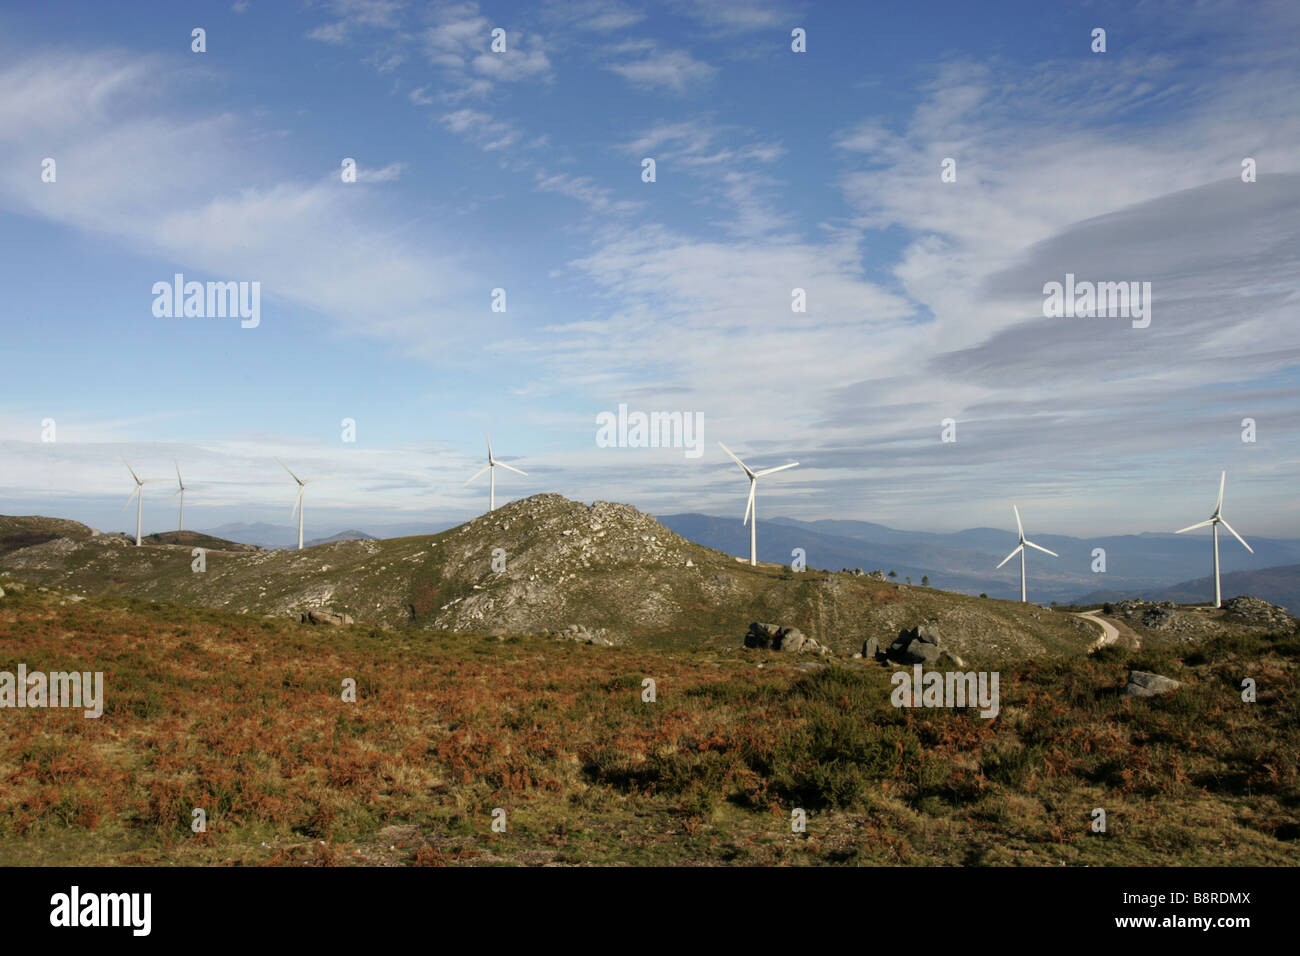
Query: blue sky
point(775, 170)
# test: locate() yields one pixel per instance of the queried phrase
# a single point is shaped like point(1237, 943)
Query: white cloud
point(674, 70)
point(188, 199)
point(597, 16)
point(480, 128)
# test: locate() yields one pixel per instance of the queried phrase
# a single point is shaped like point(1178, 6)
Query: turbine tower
point(297, 505)
point(490, 468)
point(751, 513)
point(179, 491)
point(1020, 550)
point(1214, 521)
point(138, 495)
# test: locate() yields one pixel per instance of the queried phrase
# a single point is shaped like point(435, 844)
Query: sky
point(522, 169)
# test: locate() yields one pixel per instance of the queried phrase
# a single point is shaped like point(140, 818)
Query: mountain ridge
point(544, 564)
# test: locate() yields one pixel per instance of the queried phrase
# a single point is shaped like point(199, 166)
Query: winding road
point(1109, 633)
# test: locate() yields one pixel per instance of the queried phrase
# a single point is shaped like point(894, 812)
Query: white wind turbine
point(138, 495)
point(751, 513)
point(490, 468)
point(1214, 521)
point(1020, 550)
point(297, 505)
point(179, 491)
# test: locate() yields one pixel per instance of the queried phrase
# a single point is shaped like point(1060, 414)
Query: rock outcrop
point(775, 637)
point(1255, 612)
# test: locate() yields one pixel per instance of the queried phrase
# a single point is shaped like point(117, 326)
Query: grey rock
point(871, 648)
point(919, 652)
point(1146, 684)
point(777, 638)
point(928, 633)
point(322, 616)
point(792, 639)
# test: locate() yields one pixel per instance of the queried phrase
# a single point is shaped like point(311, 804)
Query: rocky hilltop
point(542, 564)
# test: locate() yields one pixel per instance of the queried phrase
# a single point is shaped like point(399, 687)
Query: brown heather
point(243, 717)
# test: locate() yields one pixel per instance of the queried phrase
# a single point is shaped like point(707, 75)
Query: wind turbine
point(1214, 521)
point(490, 468)
point(751, 513)
point(297, 505)
point(179, 491)
point(138, 495)
point(1020, 550)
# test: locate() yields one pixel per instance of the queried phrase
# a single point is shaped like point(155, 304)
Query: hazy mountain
point(271, 536)
point(259, 533)
point(1279, 585)
point(966, 561)
point(352, 535)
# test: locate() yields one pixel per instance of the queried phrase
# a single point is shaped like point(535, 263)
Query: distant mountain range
point(272, 536)
point(1280, 585)
point(965, 561)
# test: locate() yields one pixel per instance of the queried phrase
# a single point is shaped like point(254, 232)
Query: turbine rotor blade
point(135, 492)
point(1042, 549)
point(307, 481)
point(768, 471)
point(131, 470)
point(175, 493)
point(1019, 548)
point(489, 443)
point(1195, 526)
point(291, 474)
point(1218, 505)
point(736, 460)
point(512, 468)
point(749, 507)
point(1019, 527)
point(1237, 536)
point(477, 473)
point(179, 480)
point(297, 501)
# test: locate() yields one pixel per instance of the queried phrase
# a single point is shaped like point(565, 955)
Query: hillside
point(243, 717)
point(600, 566)
point(196, 539)
point(24, 531)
